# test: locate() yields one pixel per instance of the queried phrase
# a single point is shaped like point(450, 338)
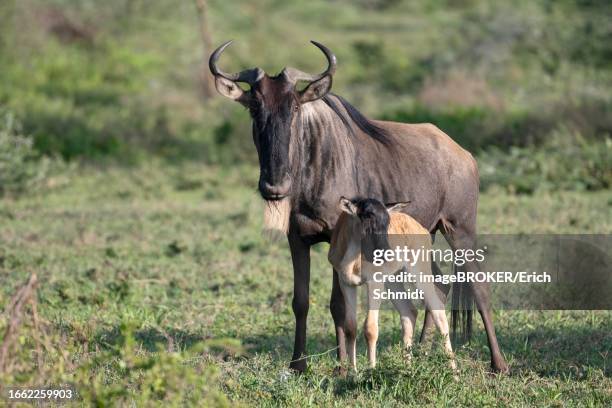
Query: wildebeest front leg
point(338, 312)
point(300, 257)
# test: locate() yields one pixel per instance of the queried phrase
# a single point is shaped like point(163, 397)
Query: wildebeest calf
point(367, 225)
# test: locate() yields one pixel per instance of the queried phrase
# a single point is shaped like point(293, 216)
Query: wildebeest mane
point(351, 116)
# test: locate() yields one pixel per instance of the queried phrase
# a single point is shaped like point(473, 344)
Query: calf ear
point(231, 89)
point(397, 207)
point(347, 206)
point(316, 89)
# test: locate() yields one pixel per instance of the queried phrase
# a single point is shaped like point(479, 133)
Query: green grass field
point(155, 284)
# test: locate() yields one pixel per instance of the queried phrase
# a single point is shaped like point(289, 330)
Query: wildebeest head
point(374, 218)
point(275, 107)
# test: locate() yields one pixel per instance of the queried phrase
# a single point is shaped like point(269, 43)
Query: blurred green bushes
point(478, 128)
point(566, 162)
point(78, 102)
point(121, 80)
point(21, 166)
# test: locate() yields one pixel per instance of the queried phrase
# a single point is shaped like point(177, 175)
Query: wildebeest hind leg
point(460, 239)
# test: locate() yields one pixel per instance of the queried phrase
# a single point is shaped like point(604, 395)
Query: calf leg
point(435, 305)
point(428, 325)
point(370, 332)
point(370, 326)
point(408, 315)
point(442, 292)
point(441, 322)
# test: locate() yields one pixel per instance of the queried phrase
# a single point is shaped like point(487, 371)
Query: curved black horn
point(297, 75)
point(248, 76)
point(331, 59)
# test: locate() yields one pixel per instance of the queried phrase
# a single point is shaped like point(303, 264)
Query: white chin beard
point(276, 218)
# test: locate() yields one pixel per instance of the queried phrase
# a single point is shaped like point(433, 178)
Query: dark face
point(274, 104)
point(274, 108)
point(374, 224)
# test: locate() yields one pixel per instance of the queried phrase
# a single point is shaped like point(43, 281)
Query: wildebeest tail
point(462, 310)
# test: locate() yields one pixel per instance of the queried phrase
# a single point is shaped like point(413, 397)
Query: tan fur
point(339, 240)
point(400, 223)
point(371, 329)
point(345, 256)
point(402, 228)
point(276, 218)
point(344, 252)
point(406, 231)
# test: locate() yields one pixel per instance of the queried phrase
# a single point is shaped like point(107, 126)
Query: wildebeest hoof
point(500, 369)
point(298, 366)
point(340, 371)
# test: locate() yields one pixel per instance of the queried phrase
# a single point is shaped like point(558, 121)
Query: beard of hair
point(276, 218)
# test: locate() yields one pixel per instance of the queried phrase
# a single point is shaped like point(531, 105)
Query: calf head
point(373, 222)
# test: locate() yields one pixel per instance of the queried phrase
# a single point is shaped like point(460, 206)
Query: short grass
point(147, 273)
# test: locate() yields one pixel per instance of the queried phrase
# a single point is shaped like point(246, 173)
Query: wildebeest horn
point(248, 76)
point(297, 75)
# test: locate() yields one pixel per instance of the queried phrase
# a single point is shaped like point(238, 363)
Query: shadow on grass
point(566, 352)
point(318, 345)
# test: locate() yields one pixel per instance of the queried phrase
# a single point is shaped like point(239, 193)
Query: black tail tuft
point(462, 311)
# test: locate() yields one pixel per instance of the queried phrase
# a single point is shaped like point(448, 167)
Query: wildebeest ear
point(347, 206)
point(231, 89)
point(316, 89)
point(396, 207)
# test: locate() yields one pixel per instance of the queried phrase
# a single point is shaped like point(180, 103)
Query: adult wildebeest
point(314, 147)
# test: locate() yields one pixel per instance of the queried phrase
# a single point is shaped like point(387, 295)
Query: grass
point(155, 283)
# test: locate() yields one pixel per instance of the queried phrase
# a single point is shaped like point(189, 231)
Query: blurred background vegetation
point(524, 85)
